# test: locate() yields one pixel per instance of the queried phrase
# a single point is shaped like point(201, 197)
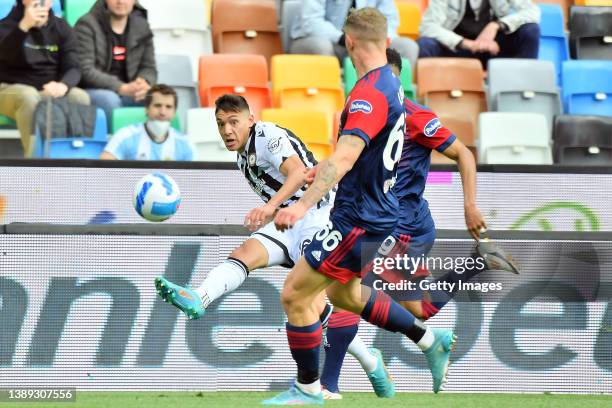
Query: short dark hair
point(231, 103)
point(394, 58)
point(162, 89)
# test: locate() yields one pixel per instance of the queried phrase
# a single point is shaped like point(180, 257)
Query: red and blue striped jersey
point(424, 132)
point(374, 112)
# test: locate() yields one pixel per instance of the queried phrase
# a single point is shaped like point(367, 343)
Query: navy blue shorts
point(341, 250)
point(379, 274)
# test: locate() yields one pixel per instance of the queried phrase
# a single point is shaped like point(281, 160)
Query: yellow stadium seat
point(421, 3)
point(410, 19)
point(602, 3)
point(307, 82)
point(311, 126)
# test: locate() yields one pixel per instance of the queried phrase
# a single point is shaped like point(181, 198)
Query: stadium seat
point(565, 6)
point(202, 131)
point(75, 9)
point(312, 127)
point(587, 87)
point(123, 117)
point(583, 140)
point(246, 27)
point(7, 5)
point(6, 122)
point(183, 28)
point(10, 139)
point(553, 42)
point(76, 146)
point(289, 13)
point(307, 82)
point(242, 74)
point(513, 138)
point(409, 19)
point(422, 4)
point(523, 85)
point(350, 77)
point(602, 3)
point(591, 33)
point(175, 70)
point(452, 87)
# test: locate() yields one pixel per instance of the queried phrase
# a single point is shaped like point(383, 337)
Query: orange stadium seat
point(452, 87)
point(312, 127)
point(307, 82)
point(246, 27)
point(242, 74)
point(410, 19)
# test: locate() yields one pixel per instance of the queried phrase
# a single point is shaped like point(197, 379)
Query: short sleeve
point(366, 113)
point(426, 129)
point(276, 147)
point(118, 146)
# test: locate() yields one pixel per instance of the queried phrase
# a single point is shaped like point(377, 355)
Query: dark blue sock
point(382, 311)
point(439, 298)
point(341, 330)
point(304, 344)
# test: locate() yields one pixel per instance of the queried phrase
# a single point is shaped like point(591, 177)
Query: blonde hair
point(366, 24)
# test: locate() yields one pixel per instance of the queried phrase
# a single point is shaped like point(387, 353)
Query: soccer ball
point(156, 197)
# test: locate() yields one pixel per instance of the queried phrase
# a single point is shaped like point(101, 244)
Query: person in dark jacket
point(116, 54)
point(38, 58)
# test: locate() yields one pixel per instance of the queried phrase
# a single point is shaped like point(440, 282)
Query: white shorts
point(286, 248)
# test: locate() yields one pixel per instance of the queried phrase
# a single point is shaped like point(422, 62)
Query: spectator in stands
point(38, 58)
point(318, 30)
point(480, 29)
point(155, 139)
point(116, 53)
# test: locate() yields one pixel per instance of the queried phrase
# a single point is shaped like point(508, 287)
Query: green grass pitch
point(352, 400)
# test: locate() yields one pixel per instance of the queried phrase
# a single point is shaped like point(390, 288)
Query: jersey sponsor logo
point(387, 246)
point(274, 145)
point(316, 255)
point(432, 127)
point(360, 105)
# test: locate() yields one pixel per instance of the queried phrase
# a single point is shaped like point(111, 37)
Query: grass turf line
point(352, 400)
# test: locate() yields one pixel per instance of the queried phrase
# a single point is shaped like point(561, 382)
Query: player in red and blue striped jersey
point(414, 234)
point(365, 211)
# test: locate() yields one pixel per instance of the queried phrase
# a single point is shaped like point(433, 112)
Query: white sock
point(360, 351)
point(223, 278)
point(312, 388)
point(427, 339)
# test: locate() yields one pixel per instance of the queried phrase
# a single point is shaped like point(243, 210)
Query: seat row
point(505, 137)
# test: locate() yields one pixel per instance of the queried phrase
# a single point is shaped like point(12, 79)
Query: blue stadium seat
point(7, 5)
point(587, 87)
point(75, 147)
point(553, 42)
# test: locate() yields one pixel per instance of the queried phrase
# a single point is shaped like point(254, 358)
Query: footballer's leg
point(380, 310)
point(303, 286)
point(224, 278)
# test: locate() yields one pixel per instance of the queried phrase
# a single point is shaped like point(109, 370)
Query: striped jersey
point(267, 147)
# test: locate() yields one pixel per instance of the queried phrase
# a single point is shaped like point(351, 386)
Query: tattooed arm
point(329, 172)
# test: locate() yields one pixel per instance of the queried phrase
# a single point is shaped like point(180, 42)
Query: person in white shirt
point(155, 139)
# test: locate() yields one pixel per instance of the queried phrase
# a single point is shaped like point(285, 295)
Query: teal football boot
point(184, 298)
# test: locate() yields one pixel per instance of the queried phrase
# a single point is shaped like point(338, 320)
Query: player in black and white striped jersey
point(275, 162)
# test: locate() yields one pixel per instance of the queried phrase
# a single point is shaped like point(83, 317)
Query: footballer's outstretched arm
point(331, 170)
point(294, 169)
point(458, 152)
